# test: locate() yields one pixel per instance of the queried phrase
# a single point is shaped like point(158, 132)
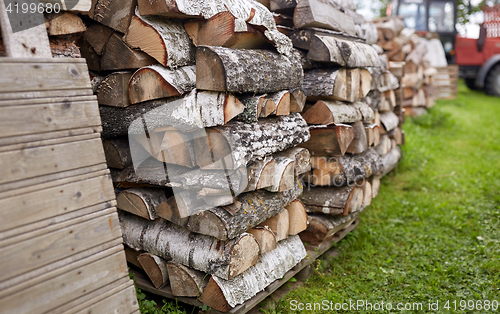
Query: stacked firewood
point(405, 52)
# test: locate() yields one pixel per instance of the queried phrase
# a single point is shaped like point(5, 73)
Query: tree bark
point(297, 217)
point(321, 228)
point(391, 160)
point(281, 5)
point(156, 269)
point(256, 207)
point(155, 82)
point(114, 14)
point(113, 90)
point(302, 38)
point(253, 107)
point(332, 200)
point(186, 282)
point(242, 70)
point(284, 178)
point(226, 259)
point(301, 156)
point(331, 140)
point(336, 84)
point(260, 174)
point(222, 295)
point(118, 56)
point(282, 101)
point(141, 202)
point(389, 120)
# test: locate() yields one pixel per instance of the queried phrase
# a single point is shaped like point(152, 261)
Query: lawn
point(432, 234)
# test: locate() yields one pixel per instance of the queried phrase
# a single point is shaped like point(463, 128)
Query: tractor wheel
point(471, 83)
point(492, 83)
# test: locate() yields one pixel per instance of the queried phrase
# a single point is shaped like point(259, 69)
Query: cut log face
point(279, 224)
point(360, 143)
point(372, 134)
point(97, 35)
point(332, 140)
point(269, 107)
point(178, 208)
point(113, 90)
point(284, 174)
point(321, 228)
point(384, 146)
point(118, 56)
point(332, 200)
point(226, 259)
point(156, 269)
point(222, 295)
point(366, 82)
point(282, 101)
point(117, 152)
point(241, 70)
point(155, 82)
point(114, 14)
point(253, 107)
point(301, 156)
point(163, 39)
point(375, 183)
point(367, 193)
point(224, 29)
point(332, 112)
point(265, 238)
point(389, 120)
point(260, 174)
point(342, 52)
point(315, 13)
point(255, 208)
point(186, 282)
point(141, 202)
point(297, 100)
point(63, 23)
point(298, 217)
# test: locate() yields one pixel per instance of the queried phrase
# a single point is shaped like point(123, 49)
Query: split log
point(91, 57)
point(375, 183)
point(360, 143)
point(282, 5)
point(367, 113)
point(113, 90)
point(238, 143)
point(336, 84)
point(141, 202)
point(332, 112)
point(321, 228)
point(265, 238)
point(373, 100)
point(389, 120)
point(131, 255)
point(155, 267)
point(417, 54)
point(384, 146)
point(253, 107)
point(117, 152)
point(332, 201)
point(255, 208)
point(366, 82)
point(302, 38)
point(368, 32)
point(178, 208)
point(63, 23)
point(226, 259)
point(397, 69)
point(301, 156)
point(367, 193)
point(186, 282)
point(97, 35)
point(387, 100)
point(155, 82)
point(331, 140)
point(316, 13)
point(279, 224)
point(342, 52)
point(114, 14)
point(269, 107)
point(253, 71)
point(390, 27)
point(284, 178)
point(260, 174)
point(297, 100)
point(224, 29)
point(391, 160)
point(298, 217)
point(282, 101)
point(372, 134)
point(118, 56)
point(397, 135)
point(163, 39)
point(222, 295)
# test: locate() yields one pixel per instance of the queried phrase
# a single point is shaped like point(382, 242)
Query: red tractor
point(479, 59)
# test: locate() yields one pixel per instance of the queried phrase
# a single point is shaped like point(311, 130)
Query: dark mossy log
point(141, 202)
point(265, 238)
point(301, 156)
point(226, 259)
point(297, 100)
point(253, 107)
point(384, 146)
point(222, 295)
point(279, 224)
point(185, 281)
point(332, 200)
point(284, 174)
point(260, 174)
point(64, 46)
point(360, 142)
point(235, 144)
point(223, 29)
point(97, 35)
point(297, 216)
point(117, 152)
point(348, 169)
point(302, 38)
point(331, 140)
point(391, 160)
point(194, 111)
point(337, 84)
point(389, 120)
point(255, 208)
point(118, 56)
point(113, 90)
point(342, 52)
point(317, 13)
point(63, 23)
point(155, 267)
point(114, 14)
point(244, 70)
point(163, 39)
point(282, 101)
point(372, 134)
point(332, 112)
point(321, 228)
point(156, 81)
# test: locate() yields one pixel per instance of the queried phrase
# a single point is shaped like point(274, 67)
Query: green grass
point(433, 231)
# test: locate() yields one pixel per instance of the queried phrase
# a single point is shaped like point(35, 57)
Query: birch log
point(260, 174)
point(331, 200)
point(163, 39)
point(226, 259)
point(243, 70)
point(297, 100)
point(321, 227)
point(282, 101)
point(342, 52)
point(255, 208)
point(302, 38)
point(118, 56)
point(115, 14)
point(155, 267)
point(316, 13)
point(265, 238)
point(360, 143)
point(186, 282)
point(222, 294)
point(279, 224)
point(113, 90)
point(332, 112)
point(117, 152)
point(284, 174)
point(301, 156)
point(253, 107)
point(297, 216)
point(337, 84)
point(238, 143)
point(331, 140)
point(391, 159)
point(156, 81)
point(389, 120)
point(141, 202)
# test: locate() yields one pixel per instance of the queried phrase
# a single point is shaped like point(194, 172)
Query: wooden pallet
point(446, 82)
point(313, 252)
